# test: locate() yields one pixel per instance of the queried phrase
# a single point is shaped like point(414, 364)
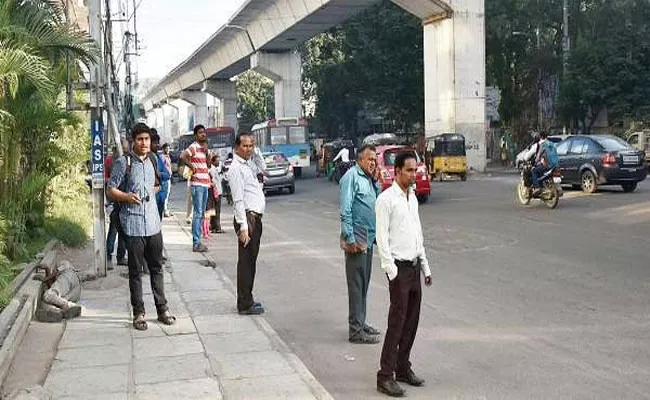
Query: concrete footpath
point(211, 352)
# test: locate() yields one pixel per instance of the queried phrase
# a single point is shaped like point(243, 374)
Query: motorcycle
point(550, 189)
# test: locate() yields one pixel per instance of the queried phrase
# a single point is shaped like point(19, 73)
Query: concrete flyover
point(264, 35)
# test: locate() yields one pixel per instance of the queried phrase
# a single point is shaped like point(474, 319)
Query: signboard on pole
point(97, 154)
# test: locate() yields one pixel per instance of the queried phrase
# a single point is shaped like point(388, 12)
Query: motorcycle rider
point(545, 157)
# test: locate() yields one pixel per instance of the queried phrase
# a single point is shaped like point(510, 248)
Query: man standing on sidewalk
point(133, 186)
point(165, 174)
point(167, 162)
point(249, 204)
point(401, 248)
point(359, 190)
point(112, 229)
point(196, 158)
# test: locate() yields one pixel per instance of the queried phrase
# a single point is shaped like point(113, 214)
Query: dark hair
point(239, 136)
point(364, 148)
point(164, 146)
point(154, 131)
point(543, 135)
point(155, 137)
point(140, 128)
point(401, 158)
point(198, 128)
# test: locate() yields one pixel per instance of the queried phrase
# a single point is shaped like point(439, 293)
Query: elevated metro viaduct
point(264, 35)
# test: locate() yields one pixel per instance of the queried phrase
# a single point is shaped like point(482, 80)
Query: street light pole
point(565, 46)
point(97, 134)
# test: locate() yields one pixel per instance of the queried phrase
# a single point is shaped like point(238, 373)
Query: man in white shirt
point(249, 204)
point(344, 155)
point(401, 248)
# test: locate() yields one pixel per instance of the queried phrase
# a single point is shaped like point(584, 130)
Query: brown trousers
point(403, 318)
point(247, 260)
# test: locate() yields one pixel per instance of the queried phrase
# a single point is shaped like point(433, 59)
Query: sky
point(170, 30)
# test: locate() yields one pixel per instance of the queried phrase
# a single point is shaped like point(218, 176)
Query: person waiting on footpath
point(359, 190)
point(133, 186)
point(165, 174)
point(113, 233)
point(216, 175)
point(167, 162)
point(249, 203)
point(401, 248)
point(196, 158)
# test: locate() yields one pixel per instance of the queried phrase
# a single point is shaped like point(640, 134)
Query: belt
point(254, 214)
point(408, 263)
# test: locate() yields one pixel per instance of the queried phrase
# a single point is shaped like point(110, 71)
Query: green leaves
point(255, 100)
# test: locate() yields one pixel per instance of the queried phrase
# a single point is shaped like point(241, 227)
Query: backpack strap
point(154, 161)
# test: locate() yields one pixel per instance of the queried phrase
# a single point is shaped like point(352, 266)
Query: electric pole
point(97, 89)
point(565, 46)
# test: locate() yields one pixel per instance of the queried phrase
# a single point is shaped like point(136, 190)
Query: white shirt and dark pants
point(401, 248)
point(249, 203)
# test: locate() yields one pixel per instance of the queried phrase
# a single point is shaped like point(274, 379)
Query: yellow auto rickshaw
point(446, 156)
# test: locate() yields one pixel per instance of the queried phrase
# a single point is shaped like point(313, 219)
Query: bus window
point(297, 135)
point(278, 135)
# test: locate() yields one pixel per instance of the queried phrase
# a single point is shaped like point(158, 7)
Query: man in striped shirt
point(196, 158)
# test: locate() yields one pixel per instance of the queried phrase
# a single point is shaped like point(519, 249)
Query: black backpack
point(117, 207)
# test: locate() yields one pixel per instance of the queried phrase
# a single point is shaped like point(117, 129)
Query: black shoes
point(255, 309)
point(364, 339)
point(410, 378)
point(391, 388)
point(122, 261)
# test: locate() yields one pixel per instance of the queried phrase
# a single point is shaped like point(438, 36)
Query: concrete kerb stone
point(24, 304)
point(302, 371)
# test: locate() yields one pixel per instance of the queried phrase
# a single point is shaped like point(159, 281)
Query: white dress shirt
point(247, 194)
point(399, 232)
point(344, 155)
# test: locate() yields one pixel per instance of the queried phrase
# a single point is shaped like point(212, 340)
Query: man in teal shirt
point(359, 191)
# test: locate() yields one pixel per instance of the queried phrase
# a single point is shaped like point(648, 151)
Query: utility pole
point(566, 45)
point(97, 89)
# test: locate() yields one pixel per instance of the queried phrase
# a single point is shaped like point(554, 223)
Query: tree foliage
point(255, 100)
point(41, 144)
point(373, 62)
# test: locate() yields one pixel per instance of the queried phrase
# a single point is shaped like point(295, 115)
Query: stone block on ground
point(250, 365)
point(93, 356)
point(166, 369)
point(206, 388)
point(286, 387)
point(167, 346)
point(240, 342)
point(232, 323)
point(84, 383)
point(30, 393)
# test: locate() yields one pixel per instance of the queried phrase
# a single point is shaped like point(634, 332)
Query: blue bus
point(288, 136)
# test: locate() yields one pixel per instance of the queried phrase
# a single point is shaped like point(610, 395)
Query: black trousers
point(247, 260)
point(403, 318)
point(215, 220)
point(146, 249)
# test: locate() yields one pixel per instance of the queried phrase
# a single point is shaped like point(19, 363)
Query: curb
point(317, 389)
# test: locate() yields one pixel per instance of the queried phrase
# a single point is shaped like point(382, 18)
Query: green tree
point(255, 100)
point(373, 62)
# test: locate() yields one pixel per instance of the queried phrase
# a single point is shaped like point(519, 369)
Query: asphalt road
point(527, 303)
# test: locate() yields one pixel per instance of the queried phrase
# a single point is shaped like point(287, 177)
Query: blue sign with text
point(97, 150)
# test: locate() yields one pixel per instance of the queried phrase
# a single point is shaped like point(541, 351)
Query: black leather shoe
point(390, 388)
point(253, 310)
point(369, 330)
point(410, 378)
point(364, 339)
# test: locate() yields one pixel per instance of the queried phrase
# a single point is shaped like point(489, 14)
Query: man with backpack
point(545, 155)
point(133, 187)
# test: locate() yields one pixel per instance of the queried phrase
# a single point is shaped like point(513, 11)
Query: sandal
point(139, 323)
point(167, 318)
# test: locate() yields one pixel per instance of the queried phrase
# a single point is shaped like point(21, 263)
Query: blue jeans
point(161, 197)
point(200, 199)
point(538, 172)
point(110, 243)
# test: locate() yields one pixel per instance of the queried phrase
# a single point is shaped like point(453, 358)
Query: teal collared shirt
point(358, 196)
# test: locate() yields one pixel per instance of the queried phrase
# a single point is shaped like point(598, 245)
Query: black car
point(590, 161)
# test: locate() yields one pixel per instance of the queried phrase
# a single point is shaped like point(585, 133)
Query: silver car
point(279, 173)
